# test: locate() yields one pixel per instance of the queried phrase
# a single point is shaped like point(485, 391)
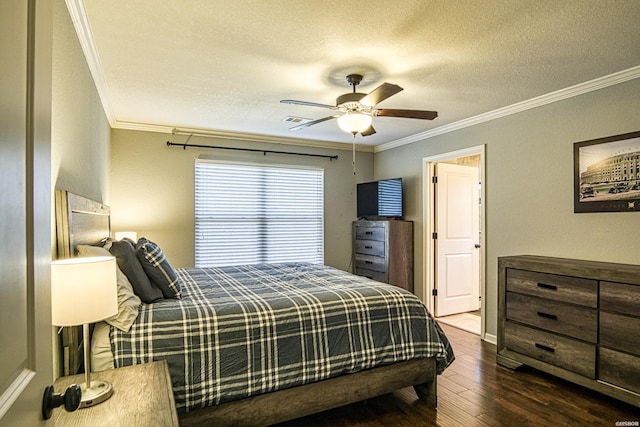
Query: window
point(250, 214)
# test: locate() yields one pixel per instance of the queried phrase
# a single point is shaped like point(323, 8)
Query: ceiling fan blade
point(379, 94)
point(368, 131)
point(314, 122)
point(409, 114)
point(309, 104)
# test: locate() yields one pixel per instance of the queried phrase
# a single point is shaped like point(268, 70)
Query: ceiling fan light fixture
point(354, 122)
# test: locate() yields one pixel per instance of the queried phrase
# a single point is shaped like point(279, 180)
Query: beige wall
point(79, 128)
point(529, 183)
point(152, 189)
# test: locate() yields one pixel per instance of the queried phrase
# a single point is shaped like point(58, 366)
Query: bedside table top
point(142, 396)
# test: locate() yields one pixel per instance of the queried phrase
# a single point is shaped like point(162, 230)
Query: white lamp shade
point(127, 234)
point(83, 290)
point(354, 122)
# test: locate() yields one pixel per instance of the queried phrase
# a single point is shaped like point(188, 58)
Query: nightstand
point(142, 396)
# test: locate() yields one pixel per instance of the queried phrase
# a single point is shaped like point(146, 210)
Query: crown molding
point(239, 136)
point(145, 127)
point(87, 43)
point(559, 95)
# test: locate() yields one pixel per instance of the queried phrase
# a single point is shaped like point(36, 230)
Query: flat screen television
point(380, 199)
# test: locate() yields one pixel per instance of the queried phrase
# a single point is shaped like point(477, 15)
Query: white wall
point(152, 189)
point(529, 183)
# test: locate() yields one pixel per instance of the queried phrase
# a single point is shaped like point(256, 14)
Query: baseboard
point(490, 338)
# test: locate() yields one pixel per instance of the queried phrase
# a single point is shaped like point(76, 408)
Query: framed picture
point(607, 174)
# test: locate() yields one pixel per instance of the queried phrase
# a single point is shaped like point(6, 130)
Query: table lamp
point(84, 291)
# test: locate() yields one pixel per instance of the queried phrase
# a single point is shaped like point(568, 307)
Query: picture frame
point(607, 174)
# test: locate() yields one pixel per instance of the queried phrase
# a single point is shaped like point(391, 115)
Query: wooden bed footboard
point(296, 402)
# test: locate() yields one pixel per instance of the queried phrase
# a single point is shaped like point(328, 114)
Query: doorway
point(454, 238)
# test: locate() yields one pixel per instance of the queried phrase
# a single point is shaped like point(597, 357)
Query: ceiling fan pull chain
point(353, 161)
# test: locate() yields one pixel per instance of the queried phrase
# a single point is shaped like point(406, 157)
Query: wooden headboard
point(79, 221)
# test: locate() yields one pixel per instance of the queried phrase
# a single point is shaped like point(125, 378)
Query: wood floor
point(474, 391)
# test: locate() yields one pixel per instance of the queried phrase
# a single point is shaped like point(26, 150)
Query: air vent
point(298, 120)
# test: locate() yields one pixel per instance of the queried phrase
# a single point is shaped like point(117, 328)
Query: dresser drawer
point(555, 287)
point(620, 332)
point(374, 275)
point(571, 320)
point(567, 353)
point(370, 262)
point(620, 298)
point(620, 369)
point(370, 233)
point(370, 247)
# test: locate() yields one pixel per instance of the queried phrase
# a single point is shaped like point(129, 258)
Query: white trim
point(146, 127)
point(490, 338)
point(429, 226)
point(464, 152)
point(238, 136)
point(559, 95)
point(85, 37)
point(428, 249)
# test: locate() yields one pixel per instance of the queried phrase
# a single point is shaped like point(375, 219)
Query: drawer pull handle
point(368, 247)
point(550, 287)
point(368, 262)
point(547, 315)
point(368, 232)
point(545, 348)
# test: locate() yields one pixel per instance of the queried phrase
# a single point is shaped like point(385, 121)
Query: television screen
point(380, 198)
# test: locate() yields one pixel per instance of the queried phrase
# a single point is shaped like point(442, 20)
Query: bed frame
point(83, 221)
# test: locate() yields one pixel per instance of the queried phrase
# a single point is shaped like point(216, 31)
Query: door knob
point(70, 399)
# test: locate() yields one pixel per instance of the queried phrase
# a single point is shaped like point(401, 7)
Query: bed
point(261, 344)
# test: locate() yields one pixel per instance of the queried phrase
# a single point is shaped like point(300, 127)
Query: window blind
point(250, 214)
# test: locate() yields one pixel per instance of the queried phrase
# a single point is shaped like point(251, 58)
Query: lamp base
point(98, 392)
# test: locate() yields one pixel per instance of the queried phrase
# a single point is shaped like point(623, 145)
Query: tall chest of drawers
point(383, 251)
point(578, 320)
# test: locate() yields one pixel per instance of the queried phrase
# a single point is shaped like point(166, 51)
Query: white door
point(457, 281)
point(25, 210)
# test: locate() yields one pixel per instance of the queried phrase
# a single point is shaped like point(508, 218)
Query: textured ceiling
point(223, 66)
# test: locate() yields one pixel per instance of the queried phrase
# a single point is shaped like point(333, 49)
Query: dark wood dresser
point(383, 251)
point(578, 320)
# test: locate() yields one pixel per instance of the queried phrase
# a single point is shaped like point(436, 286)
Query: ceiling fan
point(355, 110)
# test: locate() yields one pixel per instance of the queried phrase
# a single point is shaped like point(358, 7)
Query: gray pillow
point(158, 269)
point(128, 262)
point(128, 301)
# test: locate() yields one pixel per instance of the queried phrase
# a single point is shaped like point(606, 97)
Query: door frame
point(428, 219)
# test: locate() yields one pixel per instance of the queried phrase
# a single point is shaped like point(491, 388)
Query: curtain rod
point(264, 152)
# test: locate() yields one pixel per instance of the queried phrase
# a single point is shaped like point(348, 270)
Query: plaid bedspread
point(240, 331)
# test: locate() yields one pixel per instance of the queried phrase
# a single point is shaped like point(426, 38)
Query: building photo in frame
point(607, 174)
